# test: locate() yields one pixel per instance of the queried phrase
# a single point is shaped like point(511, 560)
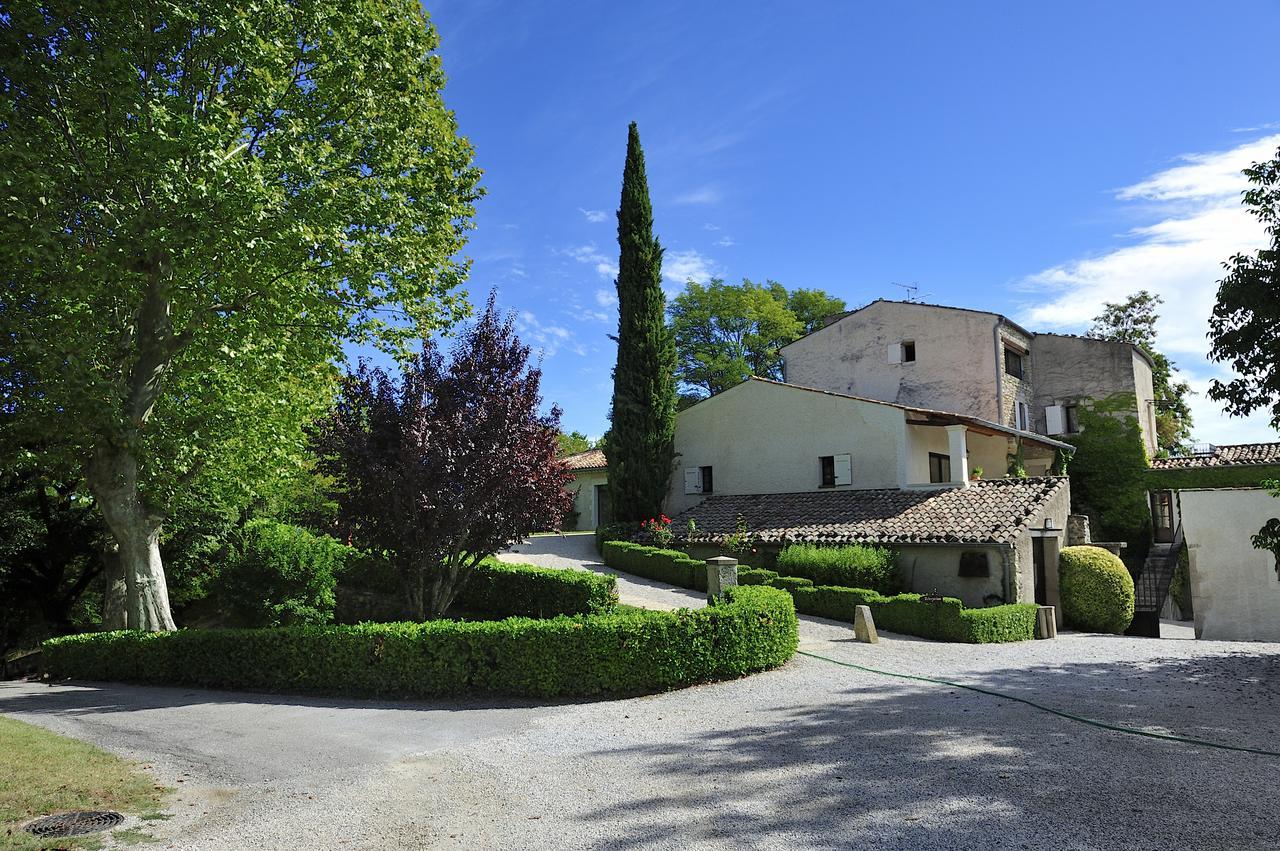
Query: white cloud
point(547, 338)
point(726, 242)
point(595, 216)
point(1194, 222)
point(709, 226)
point(605, 266)
point(681, 266)
point(701, 195)
point(606, 298)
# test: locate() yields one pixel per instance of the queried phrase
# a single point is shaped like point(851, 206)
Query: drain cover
point(74, 824)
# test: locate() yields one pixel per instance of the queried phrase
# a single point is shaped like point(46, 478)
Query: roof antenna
point(913, 291)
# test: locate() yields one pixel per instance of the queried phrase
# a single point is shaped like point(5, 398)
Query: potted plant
point(975, 474)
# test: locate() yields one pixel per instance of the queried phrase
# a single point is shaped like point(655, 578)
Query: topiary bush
point(280, 575)
point(1096, 590)
point(849, 567)
point(625, 652)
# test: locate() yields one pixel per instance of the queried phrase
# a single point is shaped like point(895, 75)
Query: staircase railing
point(1151, 587)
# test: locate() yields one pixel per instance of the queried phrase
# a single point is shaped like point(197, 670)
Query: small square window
point(827, 467)
point(909, 352)
point(939, 468)
point(706, 479)
point(974, 564)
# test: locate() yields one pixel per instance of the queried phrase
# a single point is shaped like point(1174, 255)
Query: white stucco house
point(589, 489)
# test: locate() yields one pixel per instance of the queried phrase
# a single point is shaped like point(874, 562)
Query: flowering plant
point(659, 529)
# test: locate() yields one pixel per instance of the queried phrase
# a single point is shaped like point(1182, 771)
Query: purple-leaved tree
point(449, 464)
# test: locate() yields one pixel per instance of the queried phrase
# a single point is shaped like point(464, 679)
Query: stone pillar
point(1046, 622)
point(958, 448)
point(1077, 530)
point(722, 573)
point(864, 626)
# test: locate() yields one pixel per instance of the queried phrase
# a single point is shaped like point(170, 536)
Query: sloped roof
point(592, 459)
point(1232, 455)
point(990, 511)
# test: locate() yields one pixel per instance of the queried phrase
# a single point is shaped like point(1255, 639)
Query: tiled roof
point(1234, 455)
point(592, 459)
point(987, 512)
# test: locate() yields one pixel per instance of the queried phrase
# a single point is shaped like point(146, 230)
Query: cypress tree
point(640, 448)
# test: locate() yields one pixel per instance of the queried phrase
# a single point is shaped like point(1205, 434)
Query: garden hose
point(1133, 731)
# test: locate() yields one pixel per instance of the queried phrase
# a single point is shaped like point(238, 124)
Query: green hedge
point(1096, 590)
point(907, 614)
point(756, 576)
point(280, 575)
point(503, 590)
point(790, 583)
point(848, 567)
point(626, 652)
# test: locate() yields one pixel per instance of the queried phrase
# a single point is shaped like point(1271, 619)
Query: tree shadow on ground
point(897, 764)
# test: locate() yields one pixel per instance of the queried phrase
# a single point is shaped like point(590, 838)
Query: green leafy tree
point(575, 442)
point(1134, 321)
point(726, 333)
point(641, 444)
point(202, 201)
point(1244, 330)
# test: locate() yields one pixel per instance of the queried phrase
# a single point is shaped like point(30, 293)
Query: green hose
point(1100, 724)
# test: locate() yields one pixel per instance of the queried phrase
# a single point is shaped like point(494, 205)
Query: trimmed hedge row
point(369, 591)
point(505, 590)
point(628, 652)
point(948, 620)
point(908, 614)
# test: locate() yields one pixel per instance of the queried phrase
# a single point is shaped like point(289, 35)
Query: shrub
point(670, 566)
point(908, 614)
point(848, 567)
point(627, 652)
point(618, 531)
point(788, 583)
point(1096, 590)
point(280, 575)
point(503, 590)
point(755, 576)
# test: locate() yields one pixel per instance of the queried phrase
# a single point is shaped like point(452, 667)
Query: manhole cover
point(74, 824)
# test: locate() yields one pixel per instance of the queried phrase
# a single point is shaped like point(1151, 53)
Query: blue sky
point(1027, 158)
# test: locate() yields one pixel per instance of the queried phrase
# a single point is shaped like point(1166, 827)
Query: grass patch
point(42, 773)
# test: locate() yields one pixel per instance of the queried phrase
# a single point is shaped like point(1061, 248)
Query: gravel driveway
point(811, 755)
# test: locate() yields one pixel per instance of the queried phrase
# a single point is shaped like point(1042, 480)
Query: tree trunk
point(113, 479)
point(114, 597)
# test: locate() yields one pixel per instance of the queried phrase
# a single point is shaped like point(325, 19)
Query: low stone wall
point(1234, 587)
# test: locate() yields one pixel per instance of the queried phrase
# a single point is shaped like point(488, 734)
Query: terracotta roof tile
point(592, 459)
point(986, 512)
point(1234, 455)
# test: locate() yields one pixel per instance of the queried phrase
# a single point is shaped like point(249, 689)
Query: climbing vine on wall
point(1268, 537)
point(1109, 472)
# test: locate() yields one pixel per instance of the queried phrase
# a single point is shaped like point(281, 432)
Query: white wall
point(760, 437)
point(1234, 588)
point(583, 488)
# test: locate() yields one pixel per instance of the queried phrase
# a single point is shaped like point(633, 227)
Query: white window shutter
point(844, 469)
point(1055, 420)
point(895, 353)
point(692, 480)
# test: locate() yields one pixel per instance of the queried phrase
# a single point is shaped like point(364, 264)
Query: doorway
point(604, 509)
point(1162, 516)
point(1037, 561)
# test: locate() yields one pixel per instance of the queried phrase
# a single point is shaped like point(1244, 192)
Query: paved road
point(812, 755)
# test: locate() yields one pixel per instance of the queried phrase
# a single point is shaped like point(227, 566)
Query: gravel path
point(811, 755)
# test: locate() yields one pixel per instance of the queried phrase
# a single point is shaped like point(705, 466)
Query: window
point(1072, 414)
point(1022, 416)
point(939, 467)
point(974, 564)
point(697, 480)
point(834, 470)
point(705, 473)
point(909, 352)
point(1012, 362)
